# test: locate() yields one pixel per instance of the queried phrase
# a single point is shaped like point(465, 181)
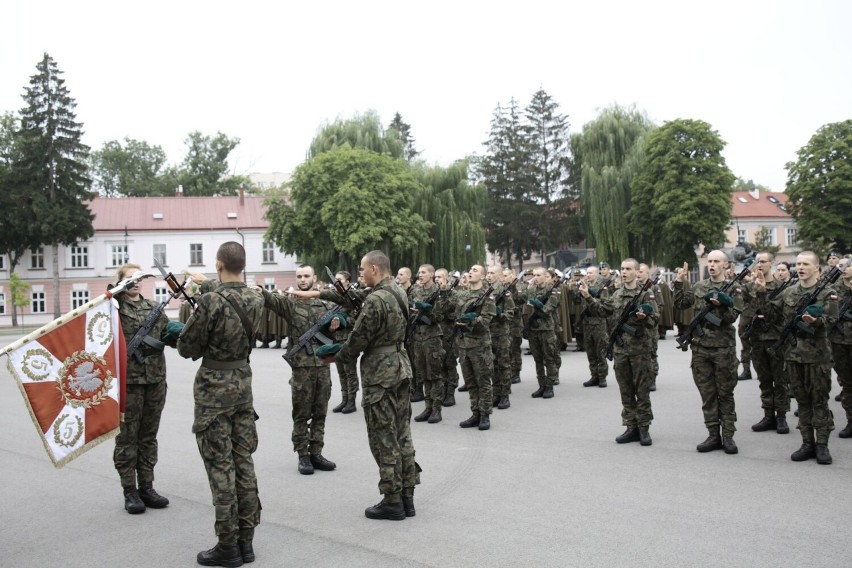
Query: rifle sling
point(243, 318)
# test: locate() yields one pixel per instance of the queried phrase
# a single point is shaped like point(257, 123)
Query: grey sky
point(765, 75)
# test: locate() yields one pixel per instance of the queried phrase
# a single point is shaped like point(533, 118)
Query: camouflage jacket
point(808, 348)
point(438, 312)
point(381, 327)
point(331, 295)
point(763, 328)
point(542, 319)
point(639, 340)
point(301, 315)
point(476, 333)
point(587, 317)
point(133, 315)
point(503, 322)
point(216, 332)
point(841, 333)
point(725, 335)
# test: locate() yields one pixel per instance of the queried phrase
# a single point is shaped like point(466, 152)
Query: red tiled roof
point(745, 205)
point(177, 213)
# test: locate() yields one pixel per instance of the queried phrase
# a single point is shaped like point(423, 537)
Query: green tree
point(135, 169)
point(819, 188)
point(402, 131)
point(52, 165)
point(19, 290)
point(343, 203)
point(681, 196)
point(361, 131)
point(610, 151)
point(741, 184)
point(204, 170)
point(763, 241)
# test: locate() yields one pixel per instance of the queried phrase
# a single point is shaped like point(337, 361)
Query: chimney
point(754, 193)
point(242, 195)
point(179, 191)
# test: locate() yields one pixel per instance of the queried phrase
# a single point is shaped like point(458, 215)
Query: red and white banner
point(71, 373)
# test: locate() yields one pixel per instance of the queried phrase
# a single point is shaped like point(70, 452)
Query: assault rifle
point(346, 292)
point(788, 334)
point(695, 326)
point(314, 332)
point(417, 318)
point(758, 323)
point(511, 287)
point(473, 306)
point(621, 326)
point(177, 289)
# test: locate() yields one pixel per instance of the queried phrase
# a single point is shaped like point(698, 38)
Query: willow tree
point(361, 131)
point(610, 150)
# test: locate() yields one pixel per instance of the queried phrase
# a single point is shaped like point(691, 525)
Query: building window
point(773, 236)
point(742, 235)
point(792, 236)
point(2, 303)
point(269, 287)
point(2, 262)
point(268, 252)
point(79, 298)
point(118, 255)
point(160, 254)
point(79, 257)
point(161, 293)
point(37, 258)
point(38, 305)
point(196, 254)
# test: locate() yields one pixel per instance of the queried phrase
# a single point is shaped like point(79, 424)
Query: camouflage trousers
point(227, 438)
point(416, 382)
point(714, 371)
point(428, 361)
point(348, 374)
point(501, 348)
point(310, 388)
point(135, 452)
point(842, 355)
point(594, 342)
point(773, 380)
point(545, 351)
point(477, 365)
point(655, 363)
point(388, 416)
point(449, 366)
point(634, 376)
point(745, 343)
point(515, 352)
point(812, 386)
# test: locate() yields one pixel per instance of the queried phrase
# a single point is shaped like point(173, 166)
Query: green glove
point(499, 310)
point(170, 336)
point(723, 298)
point(467, 317)
point(647, 309)
point(342, 317)
point(327, 350)
point(536, 303)
point(593, 293)
point(423, 306)
point(815, 310)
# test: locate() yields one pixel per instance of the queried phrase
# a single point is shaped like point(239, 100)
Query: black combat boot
point(746, 374)
point(602, 382)
point(244, 541)
point(781, 425)
point(132, 503)
point(729, 445)
point(305, 465)
point(435, 417)
point(417, 395)
point(644, 436)
point(221, 555)
point(423, 416)
point(538, 392)
point(823, 456)
point(350, 407)
point(150, 496)
point(846, 432)
point(264, 345)
point(321, 463)
point(470, 422)
point(805, 453)
point(389, 508)
point(630, 435)
point(504, 403)
point(768, 422)
point(463, 388)
point(408, 504)
point(495, 400)
point(516, 379)
point(653, 386)
point(556, 381)
point(340, 407)
point(593, 382)
point(278, 344)
point(484, 422)
point(450, 400)
point(713, 442)
point(547, 392)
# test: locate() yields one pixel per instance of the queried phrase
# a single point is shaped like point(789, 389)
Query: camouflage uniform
point(632, 365)
point(310, 383)
point(224, 424)
point(347, 372)
point(809, 360)
point(517, 335)
point(386, 375)
point(594, 334)
point(136, 444)
point(841, 350)
point(542, 341)
point(501, 337)
point(745, 342)
point(772, 378)
point(655, 336)
point(474, 345)
point(427, 346)
point(449, 364)
point(714, 356)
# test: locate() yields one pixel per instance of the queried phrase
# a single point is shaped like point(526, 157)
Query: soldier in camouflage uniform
point(745, 342)
point(714, 356)
point(221, 333)
point(473, 339)
point(500, 328)
point(310, 383)
point(426, 339)
point(516, 334)
point(136, 444)
point(644, 274)
point(593, 326)
point(348, 372)
point(386, 375)
point(809, 358)
point(541, 337)
point(633, 367)
point(841, 344)
point(449, 364)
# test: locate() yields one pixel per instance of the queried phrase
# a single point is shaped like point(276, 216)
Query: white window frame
point(160, 255)
point(2, 302)
point(37, 258)
point(118, 255)
point(79, 256)
point(792, 236)
point(161, 292)
point(268, 252)
point(742, 235)
point(38, 302)
point(196, 254)
point(79, 298)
